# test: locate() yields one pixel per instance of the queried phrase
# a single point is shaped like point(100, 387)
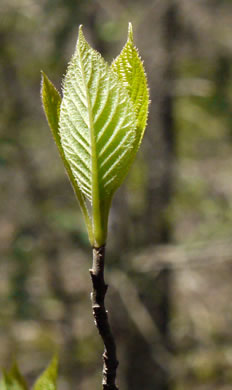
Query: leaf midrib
point(94, 182)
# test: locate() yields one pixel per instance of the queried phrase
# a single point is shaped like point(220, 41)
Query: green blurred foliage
point(13, 379)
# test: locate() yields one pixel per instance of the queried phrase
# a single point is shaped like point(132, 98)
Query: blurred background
point(169, 255)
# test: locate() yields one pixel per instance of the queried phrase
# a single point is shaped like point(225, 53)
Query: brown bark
point(110, 362)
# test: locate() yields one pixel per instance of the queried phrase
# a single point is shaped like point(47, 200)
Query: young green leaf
point(97, 129)
point(129, 68)
point(47, 381)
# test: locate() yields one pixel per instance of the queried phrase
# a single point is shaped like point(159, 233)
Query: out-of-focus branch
point(179, 257)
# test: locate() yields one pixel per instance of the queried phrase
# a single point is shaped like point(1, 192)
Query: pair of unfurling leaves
point(13, 379)
point(98, 125)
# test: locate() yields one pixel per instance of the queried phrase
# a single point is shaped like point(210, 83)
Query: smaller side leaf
point(47, 381)
point(129, 68)
point(51, 100)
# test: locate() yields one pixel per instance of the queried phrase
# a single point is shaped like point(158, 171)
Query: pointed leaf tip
point(81, 36)
point(81, 41)
point(130, 32)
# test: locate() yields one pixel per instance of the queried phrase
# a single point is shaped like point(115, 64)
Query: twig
point(180, 257)
point(110, 362)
